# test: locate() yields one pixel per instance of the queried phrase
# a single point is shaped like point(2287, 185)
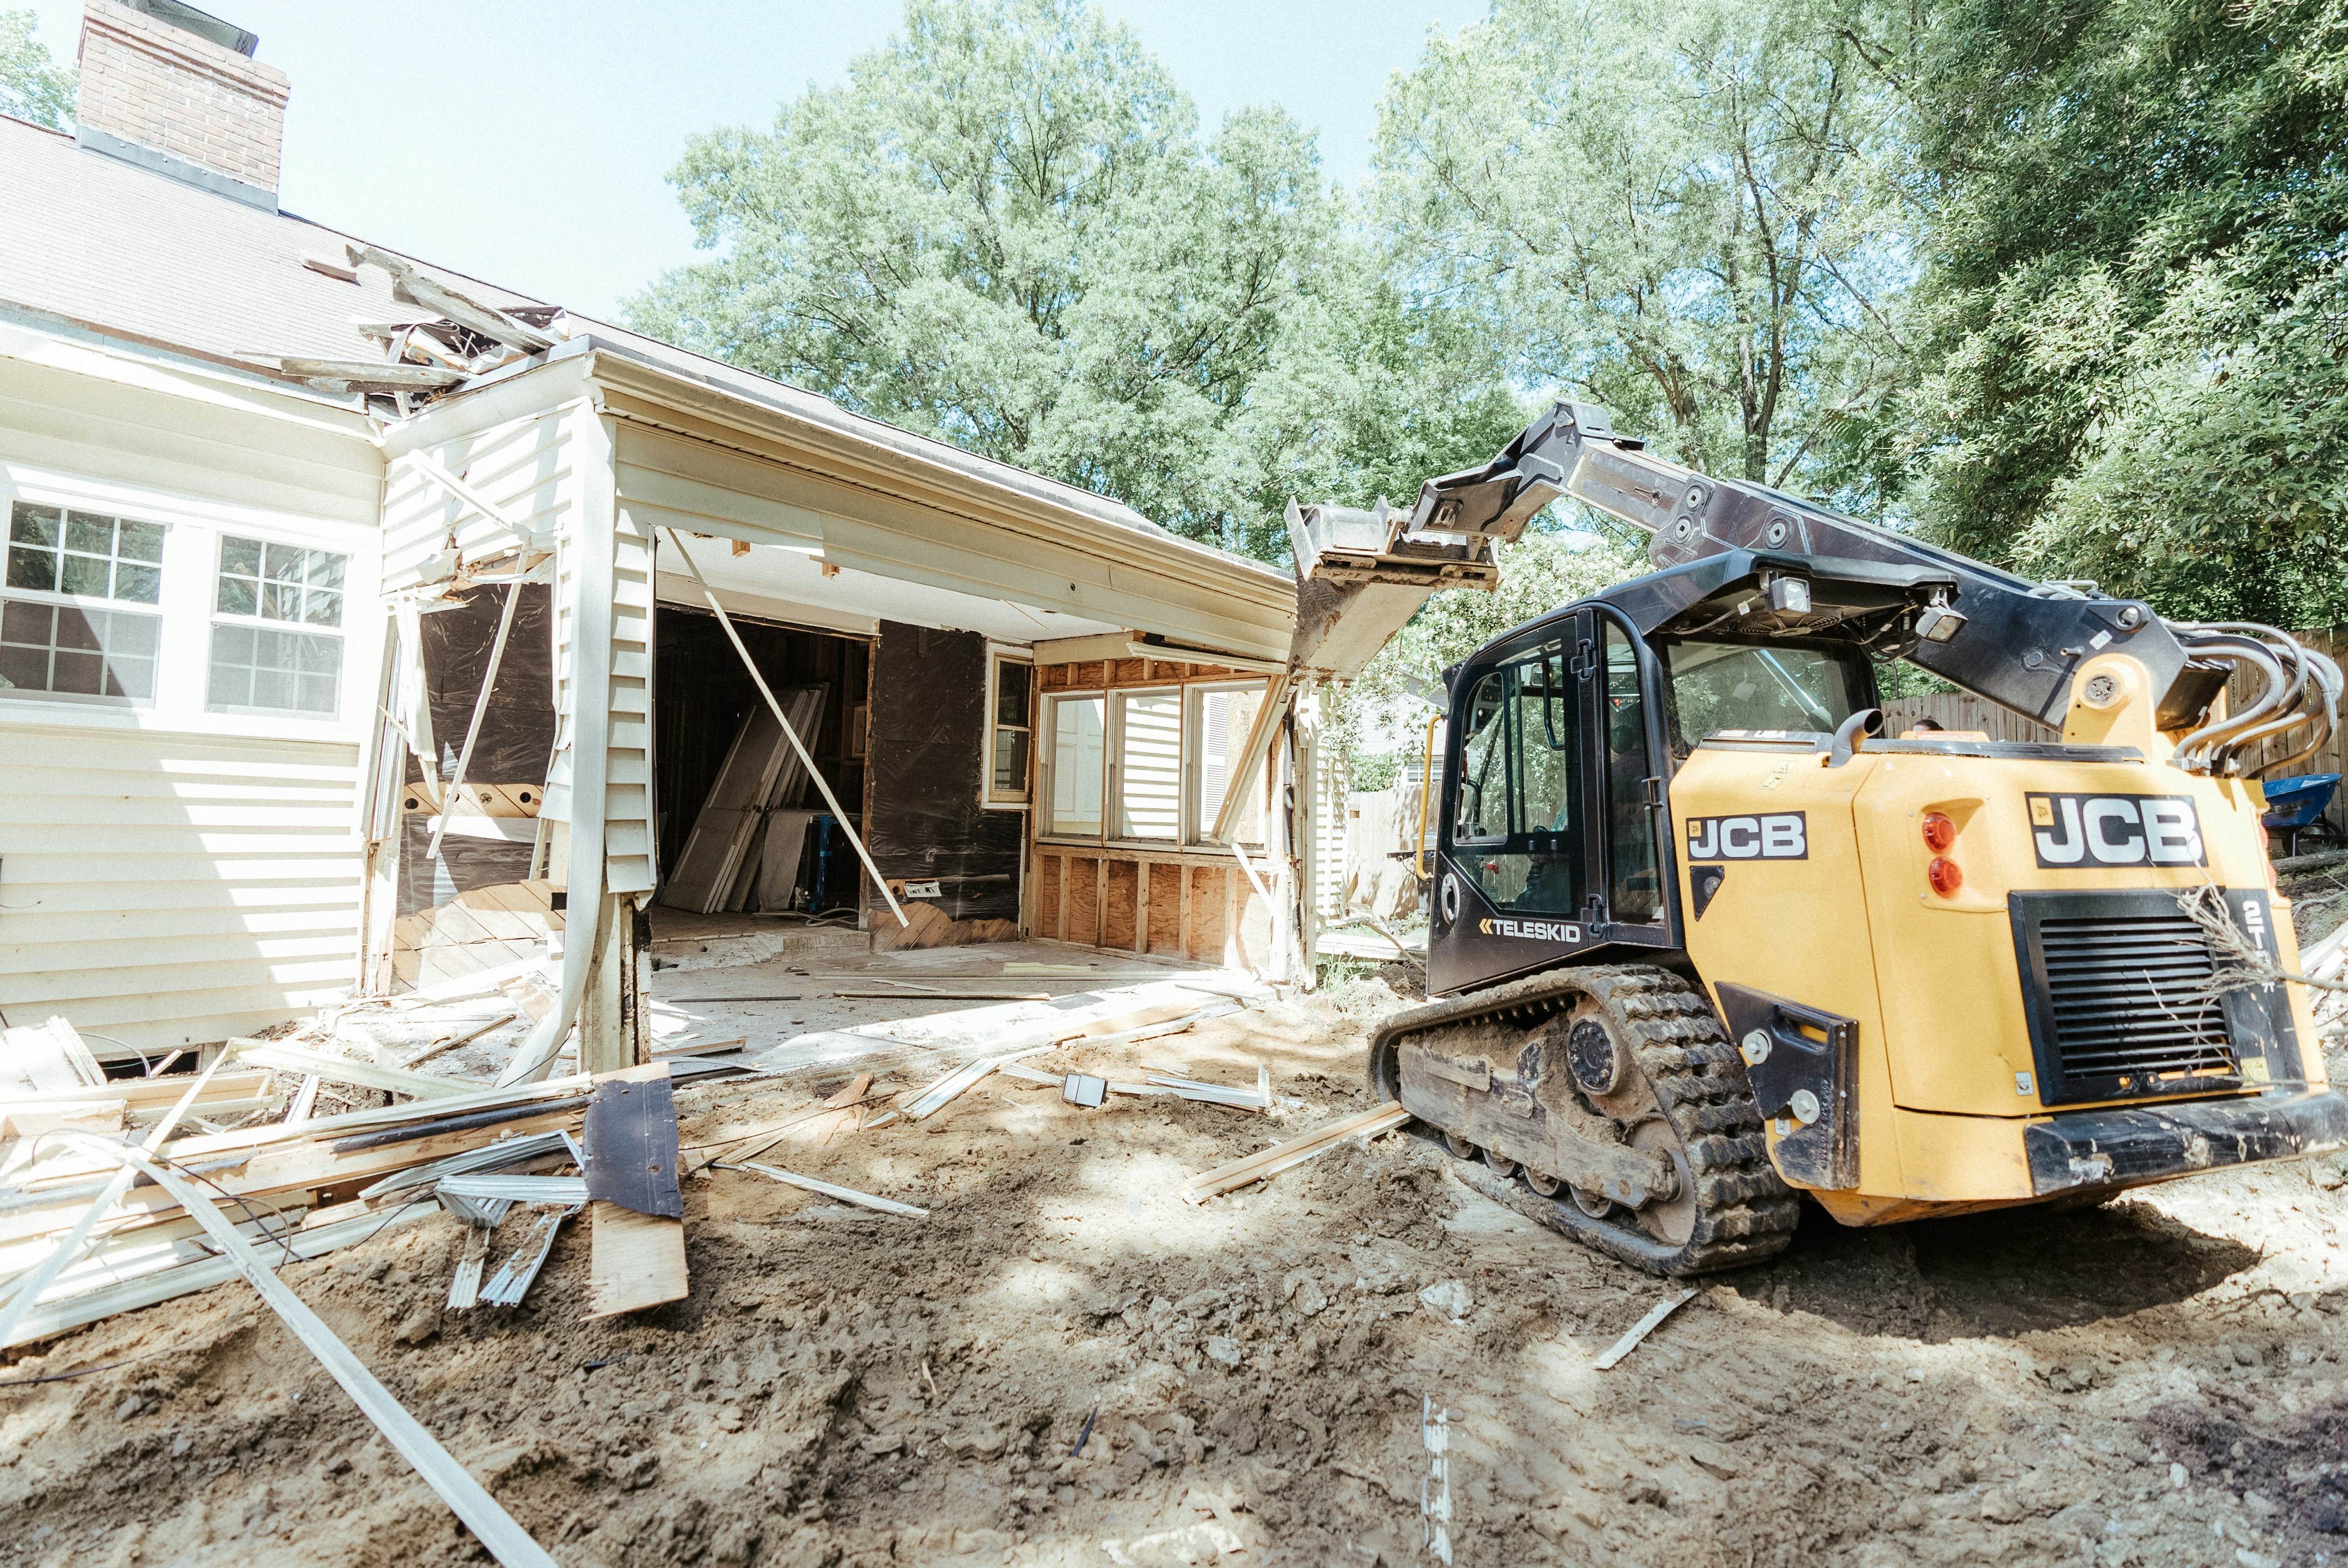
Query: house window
point(1148, 771)
point(1079, 730)
point(1221, 718)
point(1147, 767)
point(61, 632)
point(1010, 704)
point(277, 646)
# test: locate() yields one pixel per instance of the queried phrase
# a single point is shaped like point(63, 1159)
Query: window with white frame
point(1221, 718)
point(277, 618)
point(1148, 766)
point(1010, 733)
point(1076, 767)
point(76, 619)
point(1146, 770)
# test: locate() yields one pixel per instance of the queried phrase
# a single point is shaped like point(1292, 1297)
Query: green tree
point(31, 88)
point(1692, 210)
point(2136, 299)
point(1005, 230)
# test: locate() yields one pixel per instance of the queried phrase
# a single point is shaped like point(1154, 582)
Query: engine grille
point(2123, 994)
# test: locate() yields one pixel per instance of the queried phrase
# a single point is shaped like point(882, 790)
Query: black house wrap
point(927, 753)
point(517, 734)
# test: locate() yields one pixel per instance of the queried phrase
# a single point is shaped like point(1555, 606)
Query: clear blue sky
point(526, 141)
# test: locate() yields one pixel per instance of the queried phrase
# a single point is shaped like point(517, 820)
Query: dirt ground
point(2157, 1381)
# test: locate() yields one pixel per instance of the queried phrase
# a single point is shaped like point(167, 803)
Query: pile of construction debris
point(118, 1193)
point(451, 338)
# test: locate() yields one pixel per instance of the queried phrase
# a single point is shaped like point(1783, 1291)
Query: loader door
point(1632, 782)
point(1517, 839)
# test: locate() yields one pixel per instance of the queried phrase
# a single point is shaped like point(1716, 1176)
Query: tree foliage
point(1005, 230)
point(2135, 304)
point(1690, 210)
point(31, 87)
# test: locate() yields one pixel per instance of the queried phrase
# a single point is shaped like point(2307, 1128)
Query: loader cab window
point(1749, 686)
point(1634, 887)
point(1518, 811)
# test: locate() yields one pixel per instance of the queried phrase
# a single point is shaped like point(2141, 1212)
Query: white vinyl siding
point(173, 890)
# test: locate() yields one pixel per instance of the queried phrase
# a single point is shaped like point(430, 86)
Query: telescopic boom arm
point(2005, 638)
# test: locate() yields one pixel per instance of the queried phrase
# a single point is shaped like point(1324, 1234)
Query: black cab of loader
point(1553, 843)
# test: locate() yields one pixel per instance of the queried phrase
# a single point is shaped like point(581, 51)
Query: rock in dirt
point(422, 1324)
point(1450, 1299)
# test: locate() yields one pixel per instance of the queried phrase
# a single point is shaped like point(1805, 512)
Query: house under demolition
point(367, 625)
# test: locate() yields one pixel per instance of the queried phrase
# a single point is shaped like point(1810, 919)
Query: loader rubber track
point(1744, 1211)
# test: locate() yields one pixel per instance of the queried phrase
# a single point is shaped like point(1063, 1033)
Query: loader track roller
point(1619, 1075)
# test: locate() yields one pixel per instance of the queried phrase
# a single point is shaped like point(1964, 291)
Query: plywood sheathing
point(1082, 874)
point(1121, 906)
point(1163, 927)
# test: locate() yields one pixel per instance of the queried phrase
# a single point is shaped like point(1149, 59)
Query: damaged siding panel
point(629, 840)
point(525, 466)
point(629, 843)
point(173, 890)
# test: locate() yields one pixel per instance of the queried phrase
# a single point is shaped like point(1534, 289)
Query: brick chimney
point(171, 89)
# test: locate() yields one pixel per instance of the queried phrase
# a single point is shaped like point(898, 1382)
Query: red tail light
point(1940, 832)
point(1946, 876)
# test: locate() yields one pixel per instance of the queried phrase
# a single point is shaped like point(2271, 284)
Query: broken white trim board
point(946, 1089)
point(507, 1541)
point(1642, 1329)
point(29, 1287)
point(845, 1195)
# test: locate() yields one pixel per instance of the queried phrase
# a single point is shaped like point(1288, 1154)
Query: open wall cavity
point(740, 823)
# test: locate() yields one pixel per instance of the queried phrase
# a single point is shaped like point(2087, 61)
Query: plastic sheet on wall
point(517, 731)
point(927, 755)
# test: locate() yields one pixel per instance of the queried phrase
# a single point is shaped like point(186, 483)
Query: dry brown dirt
point(2155, 1382)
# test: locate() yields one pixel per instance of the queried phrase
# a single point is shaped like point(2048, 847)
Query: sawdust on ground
point(2154, 1381)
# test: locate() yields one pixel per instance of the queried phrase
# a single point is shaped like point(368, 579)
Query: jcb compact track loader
point(1702, 937)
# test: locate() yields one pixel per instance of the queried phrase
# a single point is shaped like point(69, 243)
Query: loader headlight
point(1945, 875)
point(1940, 832)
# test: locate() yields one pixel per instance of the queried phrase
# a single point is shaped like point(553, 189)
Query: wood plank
point(1083, 925)
point(635, 1261)
point(1182, 929)
point(1061, 926)
point(1280, 1157)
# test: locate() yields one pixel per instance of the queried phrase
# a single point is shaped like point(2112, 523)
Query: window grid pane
point(87, 554)
point(280, 583)
point(73, 651)
point(259, 671)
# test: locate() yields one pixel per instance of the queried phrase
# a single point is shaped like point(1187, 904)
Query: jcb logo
point(1780, 835)
point(2083, 832)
